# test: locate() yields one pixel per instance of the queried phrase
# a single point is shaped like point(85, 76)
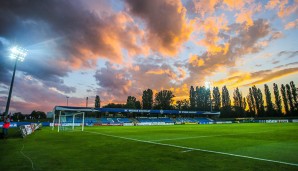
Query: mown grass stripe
point(195, 149)
point(205, 136)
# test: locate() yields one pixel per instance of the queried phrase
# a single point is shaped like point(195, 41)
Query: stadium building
point(122, 116)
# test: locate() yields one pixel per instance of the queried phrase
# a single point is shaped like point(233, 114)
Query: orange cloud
point(255, 78)
point(284, 7)
point(204, 7)
point(168, 72)
point(245, 17)
point(291, 25)
point(194, 60)
point(272, 4)
point(237, 4)
point(212, 26)
point(246, 14)
point(274, 75)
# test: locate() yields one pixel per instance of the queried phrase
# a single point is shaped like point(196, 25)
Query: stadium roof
point(120, 110)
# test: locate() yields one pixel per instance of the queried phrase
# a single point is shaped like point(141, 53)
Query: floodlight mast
point(18, 54)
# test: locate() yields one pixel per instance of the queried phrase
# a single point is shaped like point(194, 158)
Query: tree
point(295, 98)
point(290, 98)
point(192, 98)
point(256, 99)
point(138, 104)
point(178, 104)
point(147, 99)
point(131, 102)
point(285, 99)
point(277, 100)
point(244, 103)
point(113, 105)
point(164, 99)
point(237, 98)
point(259, 102)
point(97, 102)
point(251, 103)
point(238, 103)
point(18, 116)
point(269, 103)
point(294, 92)
point(38, 115)
point(200, 98)
point(216, 99)
point(226, 103)
point(182, 104)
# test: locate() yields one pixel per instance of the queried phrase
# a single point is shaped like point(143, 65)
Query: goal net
point(69, 121)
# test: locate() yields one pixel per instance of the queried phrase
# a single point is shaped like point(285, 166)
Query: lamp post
point(18, 54)
point(86, 102)
point(67, 100)
point(209, 86)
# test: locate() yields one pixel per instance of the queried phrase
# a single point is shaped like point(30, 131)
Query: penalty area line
point(196, 149)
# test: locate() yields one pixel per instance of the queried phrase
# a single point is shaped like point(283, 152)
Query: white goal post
point(69, 120)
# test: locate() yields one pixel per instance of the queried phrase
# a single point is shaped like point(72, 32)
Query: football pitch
point(177, 147)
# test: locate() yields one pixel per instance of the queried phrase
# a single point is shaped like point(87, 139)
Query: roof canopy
point(120, 110)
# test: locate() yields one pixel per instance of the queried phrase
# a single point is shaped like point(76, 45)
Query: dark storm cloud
point(165, 21)
point(115, 81)
point(118, 83)
point(73, 36)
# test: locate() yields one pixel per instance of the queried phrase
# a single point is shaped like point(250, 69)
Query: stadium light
point(208, 85)
point(18, 54)
point(67, 100)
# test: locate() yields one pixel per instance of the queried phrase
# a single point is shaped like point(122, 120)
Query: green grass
point(152, 148)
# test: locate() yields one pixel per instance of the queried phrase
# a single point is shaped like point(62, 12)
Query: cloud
point(82, 35)
point(246, 14)
point(194, 60)
point(291, 25)
point(31, 94)
point(212, 27)
point(255, 78)
point(203, 7)
point(285, 8)
point(166, 25)
point(115, 81)
point(60, 41)
point(246, 41)
point(238, 5)
point(272, 76)
point(289, 54)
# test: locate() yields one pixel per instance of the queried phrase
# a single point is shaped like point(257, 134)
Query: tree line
point(35, 115)
point(283, 101)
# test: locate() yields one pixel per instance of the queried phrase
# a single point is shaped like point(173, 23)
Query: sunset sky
point(118, 48)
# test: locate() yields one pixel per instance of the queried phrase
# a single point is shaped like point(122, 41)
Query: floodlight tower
point(208, 85)
point(18, 54)
point(67, 100)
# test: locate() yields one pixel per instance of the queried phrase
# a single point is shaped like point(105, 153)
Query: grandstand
point(110, 116)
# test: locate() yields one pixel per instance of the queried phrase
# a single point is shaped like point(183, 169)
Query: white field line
point(185, 151)
point(195, 149)
point(27, 157)
point(204, 136)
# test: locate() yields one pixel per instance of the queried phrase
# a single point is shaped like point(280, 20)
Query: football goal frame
point(61, 123)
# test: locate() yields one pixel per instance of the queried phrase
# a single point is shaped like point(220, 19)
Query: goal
point(69, 121)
